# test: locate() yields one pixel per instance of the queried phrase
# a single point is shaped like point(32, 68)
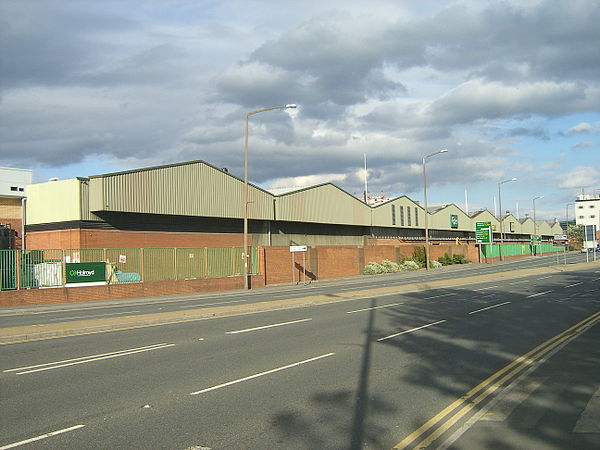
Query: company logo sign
point(85, 272)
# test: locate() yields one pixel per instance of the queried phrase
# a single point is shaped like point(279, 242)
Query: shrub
point(373, 268)
point(410, 265)
point(389, 266)
point(435, 264)
point(445, 260)
point(460, 259)
point(419, 256)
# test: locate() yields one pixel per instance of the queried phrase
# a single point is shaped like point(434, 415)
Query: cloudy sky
point(510, 88)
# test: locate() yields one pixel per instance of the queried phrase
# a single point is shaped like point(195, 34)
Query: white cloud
point(581, 177)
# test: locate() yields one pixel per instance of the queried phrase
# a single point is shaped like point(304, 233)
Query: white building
point(13, 181)
point(587, 210)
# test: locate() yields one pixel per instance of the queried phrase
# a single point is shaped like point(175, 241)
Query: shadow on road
point(442, 363)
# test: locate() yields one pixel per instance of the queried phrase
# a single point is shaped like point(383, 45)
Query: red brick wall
point(117, 291)
point(340, 261)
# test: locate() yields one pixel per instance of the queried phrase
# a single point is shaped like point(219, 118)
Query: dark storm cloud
point(49, 43)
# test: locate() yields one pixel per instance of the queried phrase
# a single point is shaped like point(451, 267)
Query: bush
point(373, 268)
point(460, 259)
point(435, 264)
point(445, 260)
point(419, 256)
point(389, 266)
point(410, 265)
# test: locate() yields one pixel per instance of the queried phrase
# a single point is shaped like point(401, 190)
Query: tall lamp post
point(534, 220)
point(245, 255)
point(500, 215)
point(567, 214)
point(425, 199)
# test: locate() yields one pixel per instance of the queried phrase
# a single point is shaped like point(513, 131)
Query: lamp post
point(425, 199)
point(534, 220)
point(245, 255)
point(567, 214)
point(500, 215)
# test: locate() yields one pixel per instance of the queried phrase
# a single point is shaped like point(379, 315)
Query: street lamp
point(534, 221)
point(567, 214)
point(245, 255)
point(500, 216)
point(425, 198)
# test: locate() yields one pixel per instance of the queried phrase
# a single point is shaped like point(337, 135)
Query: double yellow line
point(435, 427)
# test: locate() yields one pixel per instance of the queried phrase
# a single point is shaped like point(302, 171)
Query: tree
point(575, 235)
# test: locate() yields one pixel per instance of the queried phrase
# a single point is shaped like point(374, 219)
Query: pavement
point(11, 335)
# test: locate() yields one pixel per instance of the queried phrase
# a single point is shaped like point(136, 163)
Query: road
point(437, 368)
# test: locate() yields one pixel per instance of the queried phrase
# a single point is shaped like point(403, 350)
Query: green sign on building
point(536, 240)
point(453, 221)
point(86, 272)
point(483, 232)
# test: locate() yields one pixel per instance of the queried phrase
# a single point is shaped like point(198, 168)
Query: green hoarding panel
point(85, 272)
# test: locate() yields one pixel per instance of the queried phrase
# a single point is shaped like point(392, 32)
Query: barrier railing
point(31, 269)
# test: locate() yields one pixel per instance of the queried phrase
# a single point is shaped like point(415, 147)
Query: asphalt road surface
point(495, 363)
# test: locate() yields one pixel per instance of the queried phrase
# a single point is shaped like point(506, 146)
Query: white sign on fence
point(298, 248)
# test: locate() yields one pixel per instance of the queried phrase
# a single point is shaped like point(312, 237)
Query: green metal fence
point(30, 269)
point(8, 269)
point(493, 250)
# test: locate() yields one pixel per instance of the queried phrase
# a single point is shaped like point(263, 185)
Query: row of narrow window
point(408, 216)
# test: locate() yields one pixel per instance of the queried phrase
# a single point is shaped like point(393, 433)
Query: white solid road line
point(538, 294)
point(43, 436)
point(374, 307)
point(410, 331)
point(485, 288)
point(267, 326)
point(489, 307)
point(543, 278)
point(256, 375)
point(574, 284)
point(56, 319)
point(85, 359)
point(441, 295)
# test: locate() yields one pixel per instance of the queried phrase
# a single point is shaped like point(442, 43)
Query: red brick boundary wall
point(119, 291)
point(277, 265)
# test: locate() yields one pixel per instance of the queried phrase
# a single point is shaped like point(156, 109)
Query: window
point(582, 217)
point(591, 206)
point(580, 207)
point(393, 215)
point(416, 217)
point(14, 188)
point(408, 216)
point(592, 217)
point(402, 216)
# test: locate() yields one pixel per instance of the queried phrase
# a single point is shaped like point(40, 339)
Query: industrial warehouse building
point(194, 204)
point(178, 229)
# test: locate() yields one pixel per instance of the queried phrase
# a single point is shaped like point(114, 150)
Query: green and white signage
point(483, 232)
point(85, 272)
point(453, 221)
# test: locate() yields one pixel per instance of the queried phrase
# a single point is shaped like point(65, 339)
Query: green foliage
point(445, 260)
point(409, 264)
point(575, 234)
point(373, 268)
point(448, 260)
point(389, 266)
point(419, 256)
point(435, 264)
point(460, 259)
